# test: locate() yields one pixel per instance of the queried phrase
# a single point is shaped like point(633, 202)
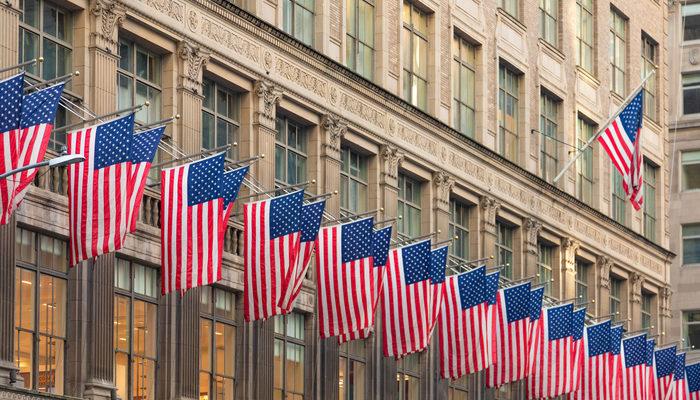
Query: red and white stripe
point(550, 362)
point(594, 384)
point(614, 376)
point(679, 390)
point(626, 157)
point(633, 379)
point(8, 149)
point(509, 345)
point(32, 145)
point(293, 288)
point(577, 361)
point(436, 299)
point(139, 176)
point(379, 274)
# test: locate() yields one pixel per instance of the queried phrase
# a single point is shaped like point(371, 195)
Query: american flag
point(463, 333)
point(36, 123)
point(491, 287)
point(230, 185)
point(550, 354)
point(692, 374)
point(649, 369)
point(271, 239)
point(311, 215)
point(536, 297)
point(578, 321)
point(344, 276)
point(99, 188)
point(596, 344)
point(143, 149)
point(679, 389)
point(10, 110)
point(436, 272)
point(622, 141)
point(662, 372)
point(634, 359)
point(405, 299)
point(510, 327)
point(613, 373)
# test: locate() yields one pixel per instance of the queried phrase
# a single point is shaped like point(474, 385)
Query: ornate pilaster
point(666, 294)
point(569, 247)
point(192, 62)
point(189, 92)
point(391, 160)
point(531, 233)
point(443, 188)
point(334, 129)
point(488, 207)
point(637, 280)
point(604, 266)
point(268, 96)
point(107, 16)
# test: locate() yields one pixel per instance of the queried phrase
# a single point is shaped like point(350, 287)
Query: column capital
point(443, 187)
point(532, 228)
point(605, 265)
point(268, 95)
point(490, 207)
point(569, 247)
point(107, 15)
point(637, 281)
point(193, 59)
point(666, 294)
point(392, 158)
point(335, 128)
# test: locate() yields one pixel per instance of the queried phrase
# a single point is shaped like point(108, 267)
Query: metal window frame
point(646, 313)
point(548, 120)
point(454, 226)
point(555, 18)
point(649, 64)
point(357, 40)
point(581, 176)
point(401, 180)
point(217, 115)
point(214, 319)
point(503, 89)
point(295, 4)
point(415, 35)
point(134, 79)
point(301, 130)
point(649, 214)
point(501, 246)
point(463, 63)
point(579, 283)
point(547, 265)
point(619, 198)
point(615, 15)
point(349, 359)
point(402, 371)
point(344, 211)
point(288, 339)
point(583, 42)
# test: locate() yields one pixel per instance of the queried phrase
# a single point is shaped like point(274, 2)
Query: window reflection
point(217, 344)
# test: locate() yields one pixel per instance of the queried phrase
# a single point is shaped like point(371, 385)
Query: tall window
point(359, 48)
point(691, 93)
point(135, 330)
point(408, 377)
point(459, 226)
point(581, 280)
point(458, 389)
point(511, 7)
point(290, 152)
point(691, 328)
point(618, 28)
point(650, 200)
point(353, 182)
point(649, 65)
point(584, 164)
point(298, 20)
point(619, 198)
point(289, 357)
point(220, 117)
point(549, 116)
point(414, 42)
point(463, 86)
point(646, 310)
point(584, 34)
point(691, 244)
point(549, 13)
point(690, 170)
point(545, 263)
point(691, 25)
point(217, 344)
point(504, 248)
point(40, 310)
point(615, 297)
point(409, 207)
point(351, 370)
point(508, 120)
point(139, 80)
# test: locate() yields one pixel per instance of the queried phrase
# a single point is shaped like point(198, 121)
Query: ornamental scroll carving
point(193, 61)
point(489, 207)
point(666, 294)
point(604, 265)
point(443, 185)
point(570, 247)
point(637, 282)
point(392, 158)
point(532, 229)
point(335, 128)
point(107, 16)
point(269, 95)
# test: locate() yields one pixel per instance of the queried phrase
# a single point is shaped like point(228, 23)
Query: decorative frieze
point(391, 159)
point(107, 15)
point(443, 188)
point(335, 128)
point(193, 61)
point(604, 266)
point(489, 211)
point(532, 229)
point(637, 280)
point(268, 96)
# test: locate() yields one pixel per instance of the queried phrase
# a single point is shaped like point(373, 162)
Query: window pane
point(205, 334)
point(278, 381)
point(24, 298)
point(294, 368)
point(224, 306)
point(122, 322)
point(691, 244)
point(125, 91)
point(30, 12)
point(225, 336)
point(143, 378)
point(356, 381)
point(24, 354)
point(121, 374)
point(50, 364)
point(342, 378)
point(144, 335)
point(52, 306)
point(204, 388)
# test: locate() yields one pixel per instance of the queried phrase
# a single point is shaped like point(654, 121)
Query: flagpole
point(245, 160)
point(277, 189)
point(407, 240)
point(156, 123)
point(604, 126)
point(370, 212)
point(87, 121)
point(66, 77)
point(190, 156)
point(22, 64)
point(384, 221)
point(319, 196)
point(446, 241)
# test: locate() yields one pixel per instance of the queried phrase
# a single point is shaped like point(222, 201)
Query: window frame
point(460, 385)
point(684, 163)
point(460, 229)
point(584, 43)
point(615, 296)
point(403, 204)
point(356, 41)
point(546, 15)
point(549, 120)
point(618, 198)
point(349, 358)
point(213, 318)
point(685, 15)
point(545, 265)
point(154, 111)
point(404, 373)
point(586, 160)
point(646, 310)
point(459, 64)
point(303, 154)
point(215, 114)
point(650, 186)
point(291, 30)
point(686, 323)
point(505, 251)
point(347, 153)
point(582, 286)
point(290, 340)
point(689, 237)
point(511, 7)
point(508, 89)
point(408, 71)
point(694, 86)
point(649, 54)
point(618, 39)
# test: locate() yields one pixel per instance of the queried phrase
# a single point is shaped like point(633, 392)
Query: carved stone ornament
point(666, 294)
point(637, 281)
point(193, 61)
point(569, 247)
point(269, 95)
point(532, 228)
point(605, 265)
point(335, 128)
point(392, 158)
point(108, 15)
point(489, 207)
point(443, 185)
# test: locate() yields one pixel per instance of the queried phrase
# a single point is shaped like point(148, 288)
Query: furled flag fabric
point(596, 344)
point(311, 215)
point(679, 389)
point(578, 321)
point(550, 358)
point(438, 263)
point(622, 141)
point(10, 110)
point(143, 149)
point(463, 334)
point(510, 327)
point(405, 300)
point(344, 276)
point(536, 298)
point(99, 188)
point(35, 126)
point(692, 374)
point(662, 372)
point(648, 369)
point(634, 359)
point(271, 239)
point(491, 295)
point(614, 371)
point(230, 185)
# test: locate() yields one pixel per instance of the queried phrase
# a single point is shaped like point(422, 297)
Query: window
point(463, 86)
point(549, 12)
point(408, 377)
point(649, 201)
point(618, 27)
point(458, 389)
point(135, 330)
point(290, 152)
point(511, 7)
point(649, 65)
point(40, 310)
point(690, 170)
point(581, 280)
point(691, 93)
point(351, 370)
point(647, 304)
point(584, 34)
point(409, 207)
point(353, 182)
point(298, 20)
point(508, 120)
point(545, 262)
point(220, 117)
point(691, 244)
point(414, 42)
point(584, 164)
point(619, 197)
point(217, 344)
point(289, 357)
point(549, 115)
point(459, 226)
point(616, 298)
point(359, 48)
point(691, 24)
point(139, 80)
point(504, 249)
point(691, 328)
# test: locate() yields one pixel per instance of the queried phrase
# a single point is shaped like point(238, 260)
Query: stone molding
point(489, 207)
point(443, 188)
point(193, 59)
point(392, 157)
point(335, 128)
point(569, 248)
point(666, 294)
point(532, 228)
point(269, 96)
point(637, 282)
point(605, 265)
point(107, 15)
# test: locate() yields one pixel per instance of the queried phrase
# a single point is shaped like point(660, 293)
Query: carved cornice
point(489, 207)
point(107, 16)
point(391, 159)
point(193, 61)
point(637, 281)
point(443, 188)
point(335, 128)
point(269, 95)
point(605, 265)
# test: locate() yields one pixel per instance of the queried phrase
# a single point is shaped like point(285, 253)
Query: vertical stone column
point(489, 210)
point(9, 28)
point(569, 247)
point(7, 301)
point(188, 347)
point(604, 265)
point(635, 309)
point(664, 314)
point(531, 232)
point(192, 60)
point(105, 18)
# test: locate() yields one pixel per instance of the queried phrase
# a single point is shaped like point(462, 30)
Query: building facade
point(455, 115)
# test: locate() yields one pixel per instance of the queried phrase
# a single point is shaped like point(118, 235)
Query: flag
point(230, 185)
point(596, 346)
point(679, 389)
point(436, 272)
point(271, 239)
point(463, 333)
point(344, 276)
point(578, 321)
point(648, 369)
point(10, 110)
point(634, 359)
point(35, 126)
point(491, 287)
point(143, 149)
point(510, 328)
point(550, 355)
point(622, 141)
point(614, 371)
point(99, 188)
point(536, 298)
point(662, 372)
point(692, 374)
point(311, 215)
point(405, 299)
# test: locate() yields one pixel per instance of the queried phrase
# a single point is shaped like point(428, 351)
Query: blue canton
point(40, 107)
point(311, 220)
point(665, 361)
point(631, 116)
point(11, 102)
point(416, 261)
point(517, 302)
point(692, 374)
point(491, 287)
point(559, 321)
point(231, 184)
point(635, 350)
point(598, 338)
point(471, 287)
point(145, 144)
point(285, 213)
point(380, 246)
point(536, 296)
point(616, 339)
point(204, 179)
point(578, 320)
point(438, 261)
point(651, 343)
point(356, 242)
point(113, 142)
point(679, 372)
